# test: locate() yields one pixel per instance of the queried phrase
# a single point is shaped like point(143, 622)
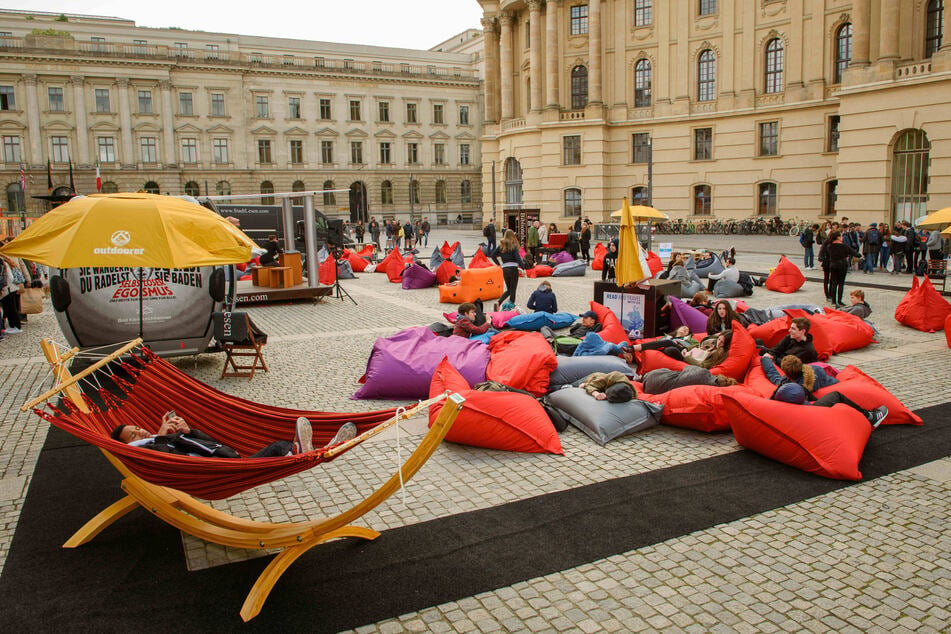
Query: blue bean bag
point(572, 369)
point(603, 421)
point(562, 320)
point(593, 344)
point(532, 321)
point(575, 268)
point(344, 270)
point(484, 337)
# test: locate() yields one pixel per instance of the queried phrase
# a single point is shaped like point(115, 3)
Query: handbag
point(31, 301)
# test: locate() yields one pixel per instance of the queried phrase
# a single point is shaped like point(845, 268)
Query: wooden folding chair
point(938, 274)
point(241, 339)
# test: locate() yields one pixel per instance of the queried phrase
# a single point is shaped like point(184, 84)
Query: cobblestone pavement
point(869, 557)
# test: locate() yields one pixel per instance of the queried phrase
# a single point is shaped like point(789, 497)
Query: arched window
point(440, 192)
point(767, 199)
point(910, 158)
point(465, 192)
point(579, 87)
point(414, 191)
point(830, 197)
point(513, 182)
point(639, 196)
point(109, 187)
point(642, 84)
point(267, 187)
point(223, 188)
point(702, 200)
point(298, 186)
point(386, 193)
point(192, 189)
point(572, 202)
point(151, 187)
point(706, 76)
point(16, 201)
point(774, 65)
point(329, 197)
point(934, 34)
point(843, 50)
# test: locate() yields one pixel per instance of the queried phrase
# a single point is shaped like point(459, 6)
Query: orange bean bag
point(654, 263)
point(523, 360)
point(446, 270)
point(696, 407)
point(327, 271)
point(869, 393)
point(474, 284)
point(480, 261)
point(611, 329)
point(923, 308)
point(786, 277)
point(826, 441)
point(597, 262)
point(495, 420)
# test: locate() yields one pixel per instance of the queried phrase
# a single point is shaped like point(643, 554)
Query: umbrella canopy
point(947, 232)
point(937, 220)
point(642, 212)
point(131, 230)
point(628, 269)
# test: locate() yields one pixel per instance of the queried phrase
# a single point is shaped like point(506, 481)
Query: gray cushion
point(603, 421)
point(575, 268)
point(728, 288)
point(571, 369)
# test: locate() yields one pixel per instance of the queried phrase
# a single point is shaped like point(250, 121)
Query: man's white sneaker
point(304, 439)
point(12, 331)
point(347, 431)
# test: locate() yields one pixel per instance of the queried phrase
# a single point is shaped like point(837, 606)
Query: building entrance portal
point(358, 202)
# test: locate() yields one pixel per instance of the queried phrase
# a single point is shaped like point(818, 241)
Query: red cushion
point(597, 262)
point(923, 308)
point(446, 249)
point(611, 328)
point(821, 440)
point(393, 259)
point(357, 263)
point(654, 263)
point(947, 329)
point(695, 407)
point(446, 270)
point(845, 331)
point(648, 360)
point(742, 349)
point(757, 380)
point(494, 420)
point(869, 393)
point(479, 260)
point(542, 270)
point(523, 360)
point(245, 278)
point(786, 277)
point(327, 272)
point(366, 252)
point(772, 332)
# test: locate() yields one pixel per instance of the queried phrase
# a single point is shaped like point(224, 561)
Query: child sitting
point(465, 326)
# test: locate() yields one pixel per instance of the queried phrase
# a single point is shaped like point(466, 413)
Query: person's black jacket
point(489, 231)
point(191, 443)
point(912, 242)
point(273, 250)
point(507, 256)
point(805, 350)
point(824, 255)
point(543, 300)
point(839, 254)
point(578, 331)
point(808, 237)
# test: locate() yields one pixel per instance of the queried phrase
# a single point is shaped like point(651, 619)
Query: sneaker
point(304, 438)
point(12, 331)
point(877, 415)
point(347, 431)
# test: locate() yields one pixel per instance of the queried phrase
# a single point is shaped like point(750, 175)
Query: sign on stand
point(629, 308)
point(665, 249)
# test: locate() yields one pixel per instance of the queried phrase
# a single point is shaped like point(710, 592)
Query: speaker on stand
point(335, 246)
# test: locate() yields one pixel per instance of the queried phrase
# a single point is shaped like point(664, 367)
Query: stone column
point(594, 51)
point(491, 68)
point(125, 122)
point(888, 37)
point(535, 53)
point(168, 132)
point(79, 112)
point(551, 52)
point(506, 62)
point(33, 120)
point(861, 25)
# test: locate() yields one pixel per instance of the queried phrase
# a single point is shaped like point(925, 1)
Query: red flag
point(98, 178)
point(49, 176)
point(22, 180)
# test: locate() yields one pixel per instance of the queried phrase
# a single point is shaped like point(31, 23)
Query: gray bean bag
point(571, 369)
point(575, 268)
point(603, 421)
point(344, 270)
point(728, 288)
point(708, 265)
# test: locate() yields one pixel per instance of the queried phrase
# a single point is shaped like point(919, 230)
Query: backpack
point(873, 237)
point(802, 239)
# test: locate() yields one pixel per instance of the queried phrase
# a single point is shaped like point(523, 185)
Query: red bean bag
point(611, 328)
point(832, 333)
point(366, 252)
point(757, 380)
point(523, 360)
point(597, 262)
point(654, 263)
point(446, 250)
point(495, 420)
point(241, 267)
point(947, 329)
point(696, 407)
point(826, 441)
point(786, 277)
point(393, 259)
point(923, 308)
point(648, 360)
point(327, 272)
point(245, 278)
point(869, 393)
point(357, 263)
point(474, 284)
point(742, 350)
point(480, 261)
point(539, 270)
point(446, 270)
point(772, 332)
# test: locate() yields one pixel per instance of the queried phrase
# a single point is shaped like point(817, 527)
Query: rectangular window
point(833, 142)
point(463, 115)
point(148, 149)
point(572, 149)
point(703, 144)
point(189, 151)
point(98, 44)
point(327, 152)
point(325, 109)
point(439, 153)
point(438, 113)
point(264, 151)
point(11, 149)
point(293, 107)
point(107, 149)
point(211, 51)
point(708, 7)
point(185, 106)
point(643, 12)
point(219, 149)
point(261, 107)
point(60, 149)
point(384, 111)
point(217, 104)
point(57, 104)
point(641, 144)
point(355, 110)
point(463, 154)
point(181, 49)
point(145, 101)
point(412, 153)
point(579, 19)
point(356, 152)
point(297, 151)
point(769, 138)
point(385, 153)
point(411, 113)
point(573, 202)
point(139, 47)
point(102, 100)
point(7, 99)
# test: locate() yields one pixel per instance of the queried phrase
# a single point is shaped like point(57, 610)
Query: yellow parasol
point(628, 269)
point(937, 220)
point(642, 212)
point(131, 230)
point(946, 232)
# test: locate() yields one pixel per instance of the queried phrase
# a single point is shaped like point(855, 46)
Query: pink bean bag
point(786, 277)
point(869, 393)
point(523, 360)
point(498, 319)
point(560, 257)
point(611, 329)
point(923, 308)
point(597, 260)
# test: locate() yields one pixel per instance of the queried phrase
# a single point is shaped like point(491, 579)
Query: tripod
point(339, 291)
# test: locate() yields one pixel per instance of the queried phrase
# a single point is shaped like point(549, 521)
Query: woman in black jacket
point(839, 257)
point(510, 262)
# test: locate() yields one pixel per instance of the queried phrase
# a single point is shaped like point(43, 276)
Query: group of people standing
point(16, 276)
point(396, 235)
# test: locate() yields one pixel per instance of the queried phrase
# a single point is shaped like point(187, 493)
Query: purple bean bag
point(560, 257)
point(401, 366)
point(683, 314)
point(417, 276)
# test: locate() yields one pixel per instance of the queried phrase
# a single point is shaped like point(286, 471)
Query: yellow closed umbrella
point(642, 212)
point(628, 269)
point(937, 220)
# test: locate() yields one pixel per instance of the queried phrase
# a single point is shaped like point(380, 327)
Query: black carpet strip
point(133, 577)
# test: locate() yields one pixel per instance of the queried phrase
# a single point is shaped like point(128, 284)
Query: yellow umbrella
point(628, 269)
point(947, 232)
point(131, 230)
point(642, 212)
point(937, 220)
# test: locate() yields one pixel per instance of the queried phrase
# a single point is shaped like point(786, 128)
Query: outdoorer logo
point(119, 239)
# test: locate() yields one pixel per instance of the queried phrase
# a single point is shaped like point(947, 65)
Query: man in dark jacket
point(797, 343)
point(425, 229)
point(808, 240)
point(408, 235)
point(489, 234)
point(871, 245)
point(543, 300)
point(911, 244)
point(589, 323)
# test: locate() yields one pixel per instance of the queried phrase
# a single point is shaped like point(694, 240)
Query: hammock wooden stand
point(197, 518)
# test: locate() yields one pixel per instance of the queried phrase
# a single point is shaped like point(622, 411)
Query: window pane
point(833, 144)
point(572, 202)
point(220, 150)
point(934, 25)
point(60, 149)
point(411, 113)
point(102, 99)
point(107, 149)
point(642, 12)
point(384, 108)
point(11, 149)
point(148, 149)
point(56, 100)
point(386, 193)
point(189, 150)
point(217, 104)
point(706, 76)
point(579, 19)
point(185, 103)
point(843, 51)
point(439, 153)
point(702, 201)
point(774, 66)
point(145, 101)
point(293, 108)
point(325, 109)
point(437, 113)
point(355, 110)
point(641, 147)
point(464, 154)
point(708, 7)
point(463, 115)
point(264, 151)
point(572, 150)
point(297, 151)
point(326, 152)
point(261, 106)
point(356, 152)
point(7, 98)
point(703, 144)
point(642, 84)
point(465, 192)
point(769, 138)
point(579, 87)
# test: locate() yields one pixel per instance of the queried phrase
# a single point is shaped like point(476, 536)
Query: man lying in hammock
point(175, 436)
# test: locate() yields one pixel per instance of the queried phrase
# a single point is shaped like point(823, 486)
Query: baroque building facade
point(718, 108)
point(175, 111)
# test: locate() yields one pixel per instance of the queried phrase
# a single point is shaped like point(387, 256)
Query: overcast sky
point(418, 24)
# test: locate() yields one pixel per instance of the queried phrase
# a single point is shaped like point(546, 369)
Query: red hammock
point(245, 425)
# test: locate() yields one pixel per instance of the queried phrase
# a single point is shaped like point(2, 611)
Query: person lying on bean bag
point(613, 387)
point(712, 351)
point(796, 394)
point(810, 377)
point(588, 323)
point(594, 345)
point(797, 343)
point(672, 344)
point(465, 323)
point(664, 380)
